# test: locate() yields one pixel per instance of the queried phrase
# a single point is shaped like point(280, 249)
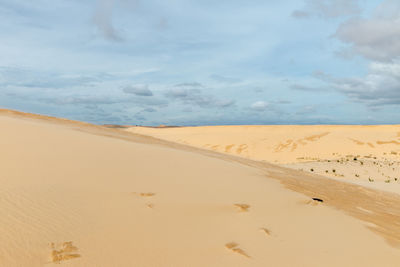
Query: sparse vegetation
point(370, 179)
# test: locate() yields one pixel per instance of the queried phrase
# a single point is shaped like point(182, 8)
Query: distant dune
point(77, 194)
point(367, 155)
point(287, 143)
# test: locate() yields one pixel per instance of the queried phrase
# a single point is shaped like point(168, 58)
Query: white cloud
point(103, 20)
point(260, 105)
point(139, 90)
point(381, 86)
point(376, 38)
point(189, 94)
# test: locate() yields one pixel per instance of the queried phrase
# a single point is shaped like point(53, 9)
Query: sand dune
point(82, 195)
point(287, 143)
point(367, 155)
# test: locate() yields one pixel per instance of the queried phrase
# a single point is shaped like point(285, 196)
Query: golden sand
point(82, 195)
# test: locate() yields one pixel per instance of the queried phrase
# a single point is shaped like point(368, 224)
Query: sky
point(202, 62)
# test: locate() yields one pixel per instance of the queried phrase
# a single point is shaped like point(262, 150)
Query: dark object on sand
point(317, 199)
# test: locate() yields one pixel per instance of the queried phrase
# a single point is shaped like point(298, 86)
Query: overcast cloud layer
point(189, 62)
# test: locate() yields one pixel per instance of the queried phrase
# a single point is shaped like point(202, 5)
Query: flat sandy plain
point(75, 194)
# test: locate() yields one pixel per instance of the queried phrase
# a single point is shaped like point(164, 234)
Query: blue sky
point(187, 62)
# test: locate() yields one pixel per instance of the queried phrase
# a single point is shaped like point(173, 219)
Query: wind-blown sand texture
point(76, 194)
point(366, 155)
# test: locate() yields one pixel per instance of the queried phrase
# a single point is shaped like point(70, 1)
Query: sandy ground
point(74, 194)
point(365, 155)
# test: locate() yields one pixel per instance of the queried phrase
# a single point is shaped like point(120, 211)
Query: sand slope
point(82, 195)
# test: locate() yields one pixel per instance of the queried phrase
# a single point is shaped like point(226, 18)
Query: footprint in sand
point(62, 252)
point(265, 231)
point(235, 248)
point(146, 195)
point(314, 201)
point(242, 207)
